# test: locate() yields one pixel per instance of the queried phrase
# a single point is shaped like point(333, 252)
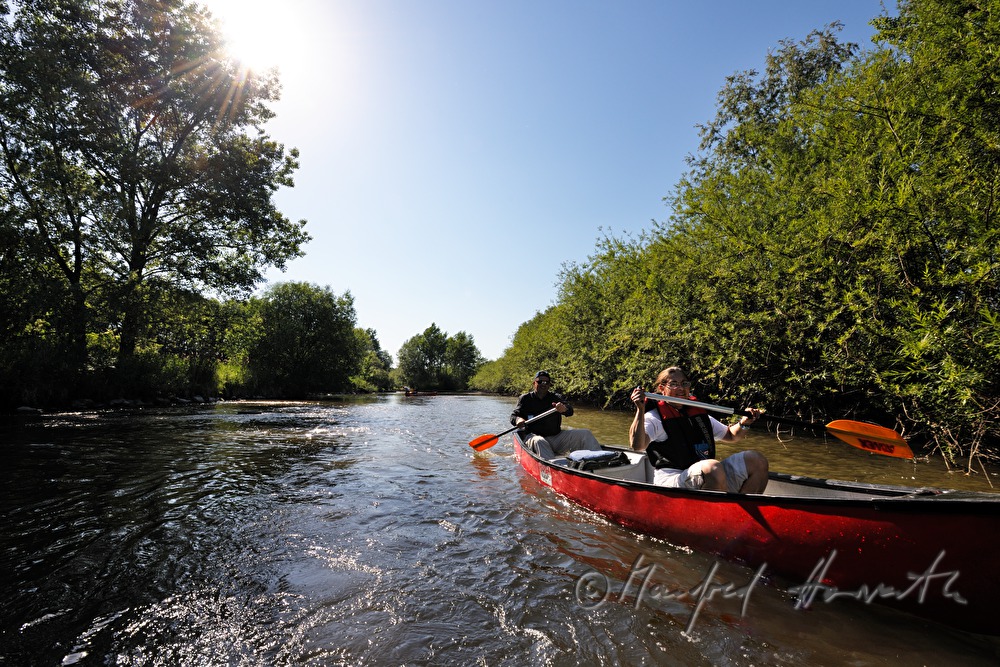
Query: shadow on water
point(367, 532)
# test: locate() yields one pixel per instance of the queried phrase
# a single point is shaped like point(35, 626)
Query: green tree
point(751, 269)
point(601, 339)
point(241, 322)
point(307, 342)
point(932, 96)
point(376, 363)
point(421, 358)
point(461, 360)
point(183, 354)
point(537, 344)
point(434, 360)
point(133, 159)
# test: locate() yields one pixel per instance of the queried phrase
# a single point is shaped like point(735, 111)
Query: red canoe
point(930, 552)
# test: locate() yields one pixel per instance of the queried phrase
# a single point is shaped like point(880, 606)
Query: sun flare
point(314, 45)
point(261, 36)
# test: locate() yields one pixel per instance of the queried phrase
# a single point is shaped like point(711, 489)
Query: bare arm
point(637, 438)
point(735, 432)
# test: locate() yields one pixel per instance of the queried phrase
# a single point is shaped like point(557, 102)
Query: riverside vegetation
point(832, 250)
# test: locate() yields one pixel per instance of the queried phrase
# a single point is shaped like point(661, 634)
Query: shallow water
point(367, 532)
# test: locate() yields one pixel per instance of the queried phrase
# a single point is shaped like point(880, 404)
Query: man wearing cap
point(546, 436)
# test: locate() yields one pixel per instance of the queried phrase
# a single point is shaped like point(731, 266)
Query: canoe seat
point(640, 470)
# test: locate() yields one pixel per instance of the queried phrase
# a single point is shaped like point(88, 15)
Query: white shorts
point(735, 467)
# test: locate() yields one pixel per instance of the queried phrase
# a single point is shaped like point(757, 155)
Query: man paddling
point(546, 436)
point(680, 442)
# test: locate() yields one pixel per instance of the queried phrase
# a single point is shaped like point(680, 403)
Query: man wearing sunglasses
point(680, 441)
point(546, 437)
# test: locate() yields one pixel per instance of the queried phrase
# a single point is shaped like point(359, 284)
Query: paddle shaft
point(526, 422)
point(695, 404)
point(870, 437)
point(732, 411)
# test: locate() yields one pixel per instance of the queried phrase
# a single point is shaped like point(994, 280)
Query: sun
point(316, 46)
point(260, 36)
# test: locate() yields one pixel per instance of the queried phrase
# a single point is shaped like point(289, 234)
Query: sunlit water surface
point(367, 532)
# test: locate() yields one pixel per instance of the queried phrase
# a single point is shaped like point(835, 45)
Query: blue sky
point(456, 154)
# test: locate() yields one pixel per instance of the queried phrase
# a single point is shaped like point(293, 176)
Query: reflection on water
point(367, 532)
point(486, 467)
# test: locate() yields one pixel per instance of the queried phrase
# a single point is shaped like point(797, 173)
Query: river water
point(368, 532)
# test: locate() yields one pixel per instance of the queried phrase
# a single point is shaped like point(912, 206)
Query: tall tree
point(538, 343)
point(307, 341)
point(376, 363)
point(934, 96)
point(132, 154)
point(421, 358)
point(461, 360)
point(434, 360)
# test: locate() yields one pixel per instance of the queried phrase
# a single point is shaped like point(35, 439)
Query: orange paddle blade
point(871, 438)
point(484, 442)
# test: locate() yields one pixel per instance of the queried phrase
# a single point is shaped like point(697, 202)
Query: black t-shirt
point(530, 405)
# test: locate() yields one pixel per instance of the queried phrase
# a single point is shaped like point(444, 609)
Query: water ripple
point(360, 532)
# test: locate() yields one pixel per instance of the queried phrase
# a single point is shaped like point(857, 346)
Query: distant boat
point(930, 552)
point(413, 392)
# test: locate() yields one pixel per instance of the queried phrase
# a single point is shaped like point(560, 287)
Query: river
point(368, 532)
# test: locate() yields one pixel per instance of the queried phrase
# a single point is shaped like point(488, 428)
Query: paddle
point(487, 441)
point(869, 437)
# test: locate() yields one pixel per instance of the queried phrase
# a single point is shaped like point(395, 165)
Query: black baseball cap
point(542, 374)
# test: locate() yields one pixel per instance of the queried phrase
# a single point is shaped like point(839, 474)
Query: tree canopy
point(133, 165)
point(434, 360)
point(376, 363)
point(307, 342)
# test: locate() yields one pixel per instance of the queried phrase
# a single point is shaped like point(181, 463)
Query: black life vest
point(690, 436)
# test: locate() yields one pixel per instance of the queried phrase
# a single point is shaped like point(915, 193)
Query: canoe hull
point(928, 552)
